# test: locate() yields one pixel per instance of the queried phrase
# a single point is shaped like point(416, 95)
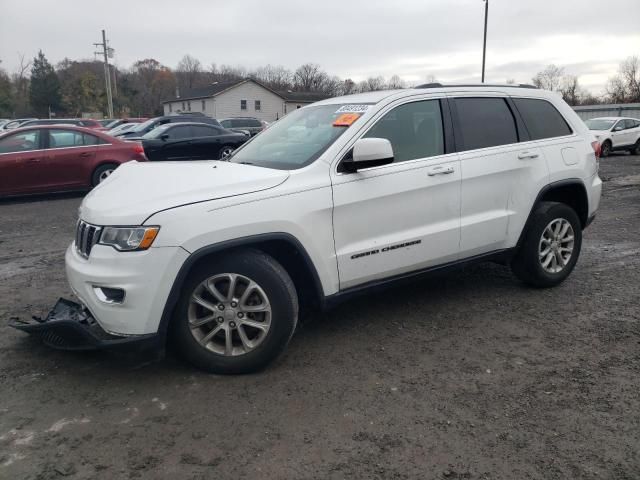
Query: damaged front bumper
point(69, 326)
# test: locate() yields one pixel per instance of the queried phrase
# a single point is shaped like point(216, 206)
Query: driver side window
point(414, 130)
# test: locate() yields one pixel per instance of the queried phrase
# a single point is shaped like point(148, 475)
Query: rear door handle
point(85, 154)
point(526, 155)
point(440, 170)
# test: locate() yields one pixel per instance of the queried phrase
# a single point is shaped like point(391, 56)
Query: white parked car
point(335, 199)
point(616, 133)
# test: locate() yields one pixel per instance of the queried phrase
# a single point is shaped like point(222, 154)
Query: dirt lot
point(466, 376)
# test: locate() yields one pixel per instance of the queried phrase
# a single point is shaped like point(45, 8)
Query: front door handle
point(33, 160)
point(527, 155)
point(85, 154)
point(440, 170)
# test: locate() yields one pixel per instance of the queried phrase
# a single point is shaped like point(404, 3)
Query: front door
point(21, 156)
point(404, 216)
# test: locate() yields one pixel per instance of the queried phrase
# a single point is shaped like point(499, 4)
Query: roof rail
point(439, 85)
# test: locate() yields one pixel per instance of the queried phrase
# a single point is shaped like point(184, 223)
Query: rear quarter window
point(541, 118)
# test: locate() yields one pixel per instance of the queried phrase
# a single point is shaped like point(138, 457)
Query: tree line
point(38, 88)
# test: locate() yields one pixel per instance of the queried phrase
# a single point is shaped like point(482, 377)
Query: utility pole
point(484, 45)
point(107, 71)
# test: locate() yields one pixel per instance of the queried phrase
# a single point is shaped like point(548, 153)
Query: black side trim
point(176, 289)
point(541, 193)
point(447, 123)
point(377, 285)
point(523, 131)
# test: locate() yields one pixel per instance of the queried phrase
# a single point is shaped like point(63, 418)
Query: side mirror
point(618, 128)
point(164, 137)
point(367, 153)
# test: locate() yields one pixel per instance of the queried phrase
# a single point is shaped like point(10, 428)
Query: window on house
point(257, 105)
point(243, 104)
point(203, 105)
point(170, 107)
point(189, 105)
point(183, 109)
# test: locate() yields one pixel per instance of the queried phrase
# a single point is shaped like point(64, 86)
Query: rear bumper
point(69, 326)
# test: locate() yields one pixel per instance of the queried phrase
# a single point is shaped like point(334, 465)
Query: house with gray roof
point(240, 98)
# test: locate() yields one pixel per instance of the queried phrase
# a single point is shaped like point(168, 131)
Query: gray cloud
point(350, 38)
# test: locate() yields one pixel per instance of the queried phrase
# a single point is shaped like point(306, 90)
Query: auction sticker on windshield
point(346, 119)
point(353, 109)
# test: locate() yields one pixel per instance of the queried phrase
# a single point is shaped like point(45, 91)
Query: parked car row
point(48, 155)
point(616, 134)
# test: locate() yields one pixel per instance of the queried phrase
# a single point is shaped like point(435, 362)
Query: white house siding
point(227, 104)
point(291, 106)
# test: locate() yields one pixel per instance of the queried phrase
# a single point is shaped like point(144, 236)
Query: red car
point(60, 157)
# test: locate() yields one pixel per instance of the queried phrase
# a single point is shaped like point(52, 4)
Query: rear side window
point(226, 123)
point(179, 132)
point(541, 118)
point(70, 138)
point(238, 123)
point(253, 123)
point(203, 131)
point(485, 122)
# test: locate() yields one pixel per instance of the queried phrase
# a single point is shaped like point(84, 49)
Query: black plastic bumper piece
point(70, 327)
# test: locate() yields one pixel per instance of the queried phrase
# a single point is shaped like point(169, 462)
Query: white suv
point(335, 199)
point(616, 134)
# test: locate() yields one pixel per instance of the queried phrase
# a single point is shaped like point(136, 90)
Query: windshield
point(156, 132)
point(299, 138)
point(599, 124)
point(144, 125)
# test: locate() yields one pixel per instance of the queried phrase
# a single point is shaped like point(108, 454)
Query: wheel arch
point(102, 163)
point(571, 192)
point(283, 247)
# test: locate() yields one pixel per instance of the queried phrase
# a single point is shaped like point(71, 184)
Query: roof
point(609, 106)
point(302, 97)
point(217, 88)
point(211, 90)
point(612, 118)
point(379, 95)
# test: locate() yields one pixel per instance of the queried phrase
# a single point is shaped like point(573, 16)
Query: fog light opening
point(109, 295)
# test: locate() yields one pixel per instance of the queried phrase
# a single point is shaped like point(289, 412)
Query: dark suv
point(152, 123)
point(243, 124)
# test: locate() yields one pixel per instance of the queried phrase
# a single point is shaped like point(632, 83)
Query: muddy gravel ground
point(467, 376)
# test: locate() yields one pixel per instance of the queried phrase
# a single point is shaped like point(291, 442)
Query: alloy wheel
point(229, 314)
point(103, 175)
point(556, 245)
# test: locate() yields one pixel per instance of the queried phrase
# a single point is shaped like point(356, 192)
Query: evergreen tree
point(44, 90)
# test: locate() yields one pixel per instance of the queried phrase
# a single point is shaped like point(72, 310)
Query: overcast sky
point(349, 38)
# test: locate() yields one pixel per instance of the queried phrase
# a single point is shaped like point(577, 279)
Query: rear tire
point(551, 246)
point(605, 149)
point(636, 149)
point(101, 173)
point(221, 328)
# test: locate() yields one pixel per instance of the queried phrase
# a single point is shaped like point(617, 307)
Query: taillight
point(137, 148)
point(596, 148)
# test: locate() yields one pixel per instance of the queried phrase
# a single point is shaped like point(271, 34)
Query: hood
point(137, 190)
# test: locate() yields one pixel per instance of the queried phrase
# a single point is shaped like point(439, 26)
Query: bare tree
point(431, 79)
point(396, 82)
point(20, 82)
point(309, 77)
point(349, 87)
point(625, 85)
point(372, 84)
point(549, 78)
point(570, 89)
point(276, 77)
point(189, 73)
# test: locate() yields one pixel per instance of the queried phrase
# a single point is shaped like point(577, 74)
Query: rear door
point(501, 171)
point(620, 136)
point(21, 156)
point(206, 142)
point(68, 154)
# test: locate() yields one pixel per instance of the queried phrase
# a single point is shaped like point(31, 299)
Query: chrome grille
point(87, 236)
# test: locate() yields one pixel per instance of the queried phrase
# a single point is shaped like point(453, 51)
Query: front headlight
point(127, 239)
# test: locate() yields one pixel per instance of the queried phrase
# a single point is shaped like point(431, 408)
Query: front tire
point(237, 313)
point(605, 149)
point(551, 246)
